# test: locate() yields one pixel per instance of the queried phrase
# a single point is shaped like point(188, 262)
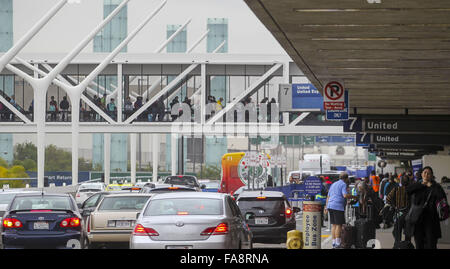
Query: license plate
point(261, 221)
point(123, 223)
point(41, 225)
point(178, 247)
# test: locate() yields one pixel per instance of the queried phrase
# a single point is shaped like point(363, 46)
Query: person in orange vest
point(375, 181)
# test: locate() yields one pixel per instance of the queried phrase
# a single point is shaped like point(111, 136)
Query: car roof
point(18, 191)
point(133, 194)
point(173, 195)
point(42, 193)
point(252, 194)
point(163, 186)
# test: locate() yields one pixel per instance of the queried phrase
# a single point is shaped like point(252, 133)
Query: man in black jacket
point(64, 105)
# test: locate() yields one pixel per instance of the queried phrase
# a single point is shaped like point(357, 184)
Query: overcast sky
point(246, 33)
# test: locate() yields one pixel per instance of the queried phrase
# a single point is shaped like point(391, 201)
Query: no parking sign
point(333, 96)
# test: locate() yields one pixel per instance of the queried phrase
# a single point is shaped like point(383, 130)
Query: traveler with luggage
point(429, 206)
point(397, 202)
point(335, 204)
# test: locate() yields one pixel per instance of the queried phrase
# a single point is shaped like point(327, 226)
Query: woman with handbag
point(423, 215)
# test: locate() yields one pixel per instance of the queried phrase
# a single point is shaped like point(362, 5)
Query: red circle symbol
point(334, 90)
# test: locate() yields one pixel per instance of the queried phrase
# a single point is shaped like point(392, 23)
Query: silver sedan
point(191, 220)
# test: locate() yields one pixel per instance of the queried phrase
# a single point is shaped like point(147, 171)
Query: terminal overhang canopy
point(393, 56)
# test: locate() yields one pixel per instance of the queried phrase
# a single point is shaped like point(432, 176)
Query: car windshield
point(212, 185)
point(90, 187)
point(268, 204)
point(181, 180)
point(184, 206)
point(114, 188)
point(41, 202)
point(6, 198)
point(123, 203)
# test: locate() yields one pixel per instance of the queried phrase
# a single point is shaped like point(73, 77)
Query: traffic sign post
point(334, 97)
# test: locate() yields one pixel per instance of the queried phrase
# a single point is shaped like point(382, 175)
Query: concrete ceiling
point(394, 57)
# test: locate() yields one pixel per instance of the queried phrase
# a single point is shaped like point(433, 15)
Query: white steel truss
point(197, 64)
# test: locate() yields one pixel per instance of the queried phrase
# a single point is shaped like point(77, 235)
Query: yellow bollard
point(294, 240)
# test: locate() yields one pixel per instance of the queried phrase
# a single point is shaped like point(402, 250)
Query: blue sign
point(306, 96)
point(339, 115)
point(59, 177)
point(417, 165)
point(313, 185)
point(335, 139)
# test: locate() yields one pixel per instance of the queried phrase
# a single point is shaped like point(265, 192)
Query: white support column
point(133, 157)
point(75, 102)
point(203, 94)
point(173, 154)
point(155, 151)
point(119, 100)
point(107, 157)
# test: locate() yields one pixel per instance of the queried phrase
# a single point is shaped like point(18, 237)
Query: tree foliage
point(16, 171)
point(56, 159)
point(209, 172)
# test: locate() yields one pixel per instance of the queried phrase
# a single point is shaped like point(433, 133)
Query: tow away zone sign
point(333, 96)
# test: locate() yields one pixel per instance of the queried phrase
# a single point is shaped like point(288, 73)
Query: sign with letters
point(333, 95)
point(299, 97)
point(339, 115)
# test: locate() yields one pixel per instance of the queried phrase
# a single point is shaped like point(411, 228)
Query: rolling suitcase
point(404, 245)
point(365, 230)
point(348, 236)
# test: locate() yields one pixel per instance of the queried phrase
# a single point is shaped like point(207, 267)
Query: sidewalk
point(384, 237)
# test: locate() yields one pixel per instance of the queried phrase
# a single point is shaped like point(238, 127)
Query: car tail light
point(140, 230)
point(70, 223)
point(288, 213)
point(218, 230)
point(261, 198)
point(12, 223)
point(173, 188)
point(89, 225)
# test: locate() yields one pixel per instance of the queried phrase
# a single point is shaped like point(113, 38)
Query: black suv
point(268, 214)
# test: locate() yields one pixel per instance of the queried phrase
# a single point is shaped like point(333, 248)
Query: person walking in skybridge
point(335, 204)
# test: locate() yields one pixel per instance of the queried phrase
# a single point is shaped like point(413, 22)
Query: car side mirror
point(86, 213)
point(296, 209)
point(137, 215)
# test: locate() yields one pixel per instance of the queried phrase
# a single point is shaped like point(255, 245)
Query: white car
point(86, 190)
point(191, 220)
